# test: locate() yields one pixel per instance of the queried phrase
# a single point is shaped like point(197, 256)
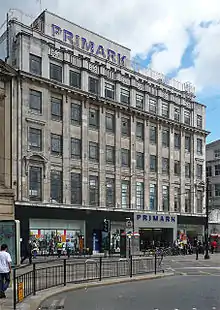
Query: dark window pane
point(125, 94)
point(56, 186)
point(94, 118)
point(153, 134)
point(93, 86)
point(76, 114)
point(35, 139)
point(93, 191)
point(35, 183)
point(139, 160)
point(125, 126)
point(35, 101)
point(56, 72)
point(56, 145)
point(76, 148)
point(76, 188)
point(110, 154)
point(75, 79)
point(125, 194)
point(110, 192)
point(153, 163)
point(109, 91)
point(93, 151)
point(110, 122)
point(35, 64)
point(56, 109)
point(140, 130)
point(125, 158)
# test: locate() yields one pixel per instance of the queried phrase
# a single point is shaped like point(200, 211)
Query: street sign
point(129, 224)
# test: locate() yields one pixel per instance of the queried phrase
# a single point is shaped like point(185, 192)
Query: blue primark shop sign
point(88, 45)
point(156, 218)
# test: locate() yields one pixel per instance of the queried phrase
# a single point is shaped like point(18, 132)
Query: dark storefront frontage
point(191, 226)
point(83, 226)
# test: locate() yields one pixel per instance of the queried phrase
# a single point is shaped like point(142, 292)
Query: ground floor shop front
point(82, 229)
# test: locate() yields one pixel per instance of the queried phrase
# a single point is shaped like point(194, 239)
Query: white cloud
point(139, 24)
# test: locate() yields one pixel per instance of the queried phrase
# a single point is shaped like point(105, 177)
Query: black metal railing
point(40, 278)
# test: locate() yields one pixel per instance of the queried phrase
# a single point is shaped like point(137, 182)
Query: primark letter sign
point(156, 218)
point(90, 46)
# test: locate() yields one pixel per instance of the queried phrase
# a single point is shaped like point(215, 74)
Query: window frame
point(59, 70)
point(127, 153)
point(125, 93)
point(38, 197)
point(36, 59)
point(154, 158)
point(125, 194)
point(112, 118)
point(109, 89)
point(58, 102)
point(59, 189)
point(95, 124)
point(139, 101)
point(111, 149)
point(153, 105)
point(94, 190)
point(139, 193)
point(78, 145)
point(110, 182)
point(140, 160)
point(76, 190)
point(94, 91)
point(77, 79)
point(39, 147)
point(35, 94)
point(94, 145)
point(125, 133)
point(56, 137)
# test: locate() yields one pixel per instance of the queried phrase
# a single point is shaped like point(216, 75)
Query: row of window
point(56, 73)
point(209, 170)
point(56, 192)
point(214, 189)
point(35, 144)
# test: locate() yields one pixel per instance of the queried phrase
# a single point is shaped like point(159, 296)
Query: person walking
point(5, 270)
point(197, 251)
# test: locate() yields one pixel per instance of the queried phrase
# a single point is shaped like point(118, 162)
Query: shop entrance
point(151, 237)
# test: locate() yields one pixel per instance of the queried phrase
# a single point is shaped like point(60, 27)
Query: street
point(174, 293)
point(195, 286)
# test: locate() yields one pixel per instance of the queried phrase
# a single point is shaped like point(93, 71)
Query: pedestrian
point(5, 270)
point(197, 251)
point(59, 249)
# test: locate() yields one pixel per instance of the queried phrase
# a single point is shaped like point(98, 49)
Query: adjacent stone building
point(7, 100)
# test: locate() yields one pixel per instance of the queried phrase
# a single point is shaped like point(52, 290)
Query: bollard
point(131, 271)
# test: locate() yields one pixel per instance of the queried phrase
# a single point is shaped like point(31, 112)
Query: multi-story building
point(213, 175)
point(96, 139)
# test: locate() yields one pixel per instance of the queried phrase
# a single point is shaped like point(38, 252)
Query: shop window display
point(49, 240)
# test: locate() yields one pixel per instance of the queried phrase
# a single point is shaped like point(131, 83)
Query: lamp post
point(206, 256)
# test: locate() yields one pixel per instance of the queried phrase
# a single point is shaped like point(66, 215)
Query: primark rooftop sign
point(83, 42)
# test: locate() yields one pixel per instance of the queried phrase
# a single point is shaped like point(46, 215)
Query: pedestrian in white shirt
point(5, 269)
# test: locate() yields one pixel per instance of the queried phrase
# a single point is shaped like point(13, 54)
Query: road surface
point(173, 293)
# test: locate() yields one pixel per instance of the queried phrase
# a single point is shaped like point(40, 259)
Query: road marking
point(204, 272)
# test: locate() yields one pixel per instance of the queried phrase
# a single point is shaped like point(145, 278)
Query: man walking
point(5, 269)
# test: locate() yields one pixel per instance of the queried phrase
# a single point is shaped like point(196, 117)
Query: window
point(217, 169)
point(140, 195)
point(139, 101)
point(199, 121)
point(199, 201)
point(177, 140)
point(125, 194)
point(125, 126)
point(187, 117)
point(199, 171)
point(165, 138)
point(165, 197)
point(153, 163)
point(76, 188)
point(110, 192)
point(93, 190)
point(188, 143)
point(140, 160)
point(56, 72)
point(94, 118)
point(35, 101)
point(75, 79)
point(56, 145)
point(110, 154)
point(209, 171)
point(210, 190)
point(35, 139)
point(76, 114)
point(153, 105)
point(93, 151)
point(140, 131)
point(76, 146)
point(153, 134)
point(56, 109)
point(176, 199)
point(187, 170)
point(56, 186)
point(35, 64)
point(177, 114)
point(165, 165)
point(165, 109)
point(199, 146)
point(217, 153)
point(217, 190)
point(93, 85)
point(125, 96)
point(153, 197)
point(110, 122)
point(35, 183)
point(125, 158)
point(187, 201)
point(109, 91)
point(176, 167)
